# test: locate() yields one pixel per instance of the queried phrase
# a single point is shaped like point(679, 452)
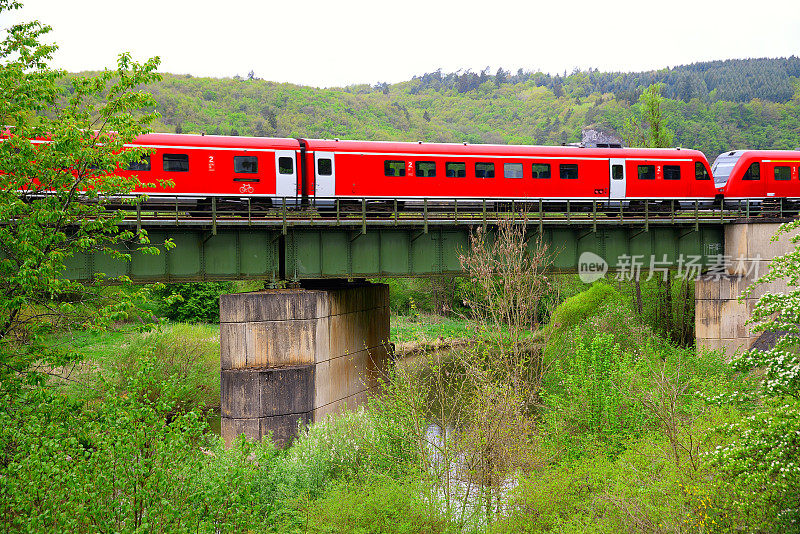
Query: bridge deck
point(365, 238)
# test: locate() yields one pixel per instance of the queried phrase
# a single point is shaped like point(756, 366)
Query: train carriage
point(387, 170)
point(758, 175)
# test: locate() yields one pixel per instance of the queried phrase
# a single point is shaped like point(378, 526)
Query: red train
point(758, 174)
point(268, 170)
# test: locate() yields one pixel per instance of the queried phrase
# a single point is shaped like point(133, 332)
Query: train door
point(325, 175)
point(285, 173)
point(779, 178)
point(752, 183)
point(617, 179)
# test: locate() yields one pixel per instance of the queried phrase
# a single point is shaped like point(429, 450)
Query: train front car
point(470, 174)
point(759, 177)
point(236, 171)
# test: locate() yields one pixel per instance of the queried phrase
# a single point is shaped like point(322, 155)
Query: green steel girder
point(341, 252)
point(199, 254)
point(338, 253)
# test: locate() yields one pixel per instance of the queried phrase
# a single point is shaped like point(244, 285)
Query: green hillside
point(714, 106)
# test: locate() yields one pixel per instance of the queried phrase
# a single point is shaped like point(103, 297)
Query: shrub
point(761, 469)
point(376, 505)
point(185, 353)
point(578, 308)
point(347, 444)
point(562, 498)
point(122, 465)
point(640, 489)
point(193, 302)
point(592, 391)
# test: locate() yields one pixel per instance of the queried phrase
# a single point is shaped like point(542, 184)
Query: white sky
point(335, 43)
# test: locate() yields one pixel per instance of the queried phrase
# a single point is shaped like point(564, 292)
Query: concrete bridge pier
point(720, 318)
point(295, 355)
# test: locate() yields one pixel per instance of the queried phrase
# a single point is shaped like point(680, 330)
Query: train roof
point(763, 154)
point(390, 147)
point(215, 141)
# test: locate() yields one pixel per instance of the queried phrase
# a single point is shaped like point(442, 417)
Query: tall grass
point(188, 353)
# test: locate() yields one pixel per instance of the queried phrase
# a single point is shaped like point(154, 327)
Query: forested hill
point(734, 80)
point(715, 106)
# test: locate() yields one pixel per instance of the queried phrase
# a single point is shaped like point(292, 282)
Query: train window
point(425, 168)
point(541, 170)
point(324, 167)
point(286, 165)
point(176, 162)
point(248, 164)
point(783, 173)
point(617, 172)
point(672, 172)
point(568, 171)
point(484, 170)
point(455, 169)
point(512, 170)
point(700, 171)
point(647, 172)
point(140, 165)
point(753, 172)
point(394, 168)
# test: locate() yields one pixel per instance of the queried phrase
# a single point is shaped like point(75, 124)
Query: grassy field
point(426, 328)
point(189, 352)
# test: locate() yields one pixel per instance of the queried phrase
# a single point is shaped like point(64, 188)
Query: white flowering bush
point(778, 313)
point(761, 464)
point(764, 461)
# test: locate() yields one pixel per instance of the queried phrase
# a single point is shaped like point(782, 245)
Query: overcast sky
point(342, 42)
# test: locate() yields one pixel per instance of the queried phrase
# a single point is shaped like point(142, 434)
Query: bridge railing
point(368, 211)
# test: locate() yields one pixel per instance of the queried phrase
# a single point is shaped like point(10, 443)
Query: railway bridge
point(296, 354)
point(358, 240)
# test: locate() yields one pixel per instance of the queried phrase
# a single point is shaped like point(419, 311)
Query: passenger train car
point(758, 174)
point(269, 170)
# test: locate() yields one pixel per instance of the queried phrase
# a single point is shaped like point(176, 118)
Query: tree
point(648, 128)
point(558, 89)
point(57, 194)
point(466, 411)
point(510, 291)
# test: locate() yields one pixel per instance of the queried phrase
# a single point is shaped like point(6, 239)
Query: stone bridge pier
point(292, 356)
point(720, 317)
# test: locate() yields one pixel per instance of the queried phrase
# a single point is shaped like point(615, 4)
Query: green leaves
point(59, 186)
point(760, 464)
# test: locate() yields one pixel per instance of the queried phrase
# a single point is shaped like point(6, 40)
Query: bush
point(121, 465)
point(640, 489)
point(376, 505)
point(601, 309)
point(348, 444)
point(186, 353)
point(761, 469)
point(578, 308)
point(562, 498)
point(194, 302)
point(591, 391)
